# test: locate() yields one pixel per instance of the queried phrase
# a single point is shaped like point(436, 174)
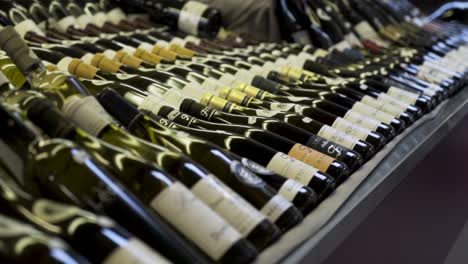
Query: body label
point(190, 16)
point(312, 157)
point(292, 168)
point(337, 137)
point(240, 215)
point(134, 252)
point(195, 220)
point(403, 95)
point(360, 111)
point(290, 189)
point(387, 108)
point(275, 208)
point(351, 129)
point(393, 102)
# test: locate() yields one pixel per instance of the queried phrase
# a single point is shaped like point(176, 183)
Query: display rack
point(379, 177)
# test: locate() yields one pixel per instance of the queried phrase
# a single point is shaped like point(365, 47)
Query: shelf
point(333, 221)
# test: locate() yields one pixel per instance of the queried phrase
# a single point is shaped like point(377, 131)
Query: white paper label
point(84, 20)
point(275, 208)
point(134, 252)
point(393, 102)
point(337, 137)
point(241, 215)
point(359, 110)
point(26, 26)
point(190, 16)
point(63, 24)
point(116, 15)
point(87, 113)
point(387, 108)
point(289, 189)
point(195, 220)
point(292, 168)
point(351, 129)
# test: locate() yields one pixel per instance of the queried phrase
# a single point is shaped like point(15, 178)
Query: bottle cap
point(17, 50)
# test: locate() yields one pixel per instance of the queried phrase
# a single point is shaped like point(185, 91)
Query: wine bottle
point(40, 247)
point(98, 190)
point(146, 127)
point(98, 238)
point(234, 209)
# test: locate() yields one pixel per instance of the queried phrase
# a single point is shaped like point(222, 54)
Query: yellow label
point(312, 157)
